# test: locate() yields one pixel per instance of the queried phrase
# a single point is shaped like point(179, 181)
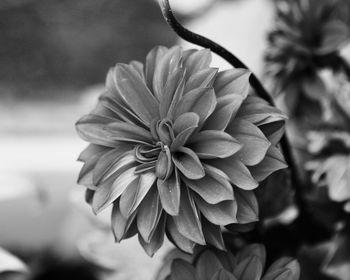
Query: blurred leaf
point(10, 263)
point(337, 263)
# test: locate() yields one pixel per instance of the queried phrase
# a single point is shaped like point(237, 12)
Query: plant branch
point(202, 41)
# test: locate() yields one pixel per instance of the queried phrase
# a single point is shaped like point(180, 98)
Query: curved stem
point(214, 47)
point(254, 81)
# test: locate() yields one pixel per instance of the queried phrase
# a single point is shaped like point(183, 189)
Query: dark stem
point(214, 47)
point(254, 81)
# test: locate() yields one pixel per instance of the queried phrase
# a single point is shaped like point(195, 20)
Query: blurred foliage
point(48, 45)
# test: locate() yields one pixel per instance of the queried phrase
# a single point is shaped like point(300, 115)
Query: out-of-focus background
point(54, 55)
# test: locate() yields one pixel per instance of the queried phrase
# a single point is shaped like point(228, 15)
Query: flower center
point(157, 157)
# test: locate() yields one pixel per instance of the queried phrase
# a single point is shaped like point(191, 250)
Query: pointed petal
point(108, 160)
point(166, 66)
point(273, 131)
point(248, 208)
point(172, 93)
point(120, 224)
point(91, 128)
point(238, 173)
point(135, 193)
point(232, 81)
point(208, 264)
point(255, 144)
point(273, 161)
point(213, 235)
point(177, 238)
point(157, 239)
point(214, 144)
point(223, 275)
point(201, 79)
point(152, 60)
point(226, 109)
point(86, 173)
point(250, 268)
point(188, 163)
point(121, 164)
point(182, 270)
point(121, 111)
point(214, 187)
point(201, 101)
point(106, 194)
point(138, 67)
point(169, 193)
point(222, 214)
point(149, 214)
point(183, 127)
point(92, 150)
point(135, 93)
point(197, 61)
point(258, 112)
point(188, 221)
point(128, 132)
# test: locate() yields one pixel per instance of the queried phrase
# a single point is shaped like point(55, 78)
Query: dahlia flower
point(247, 264)
point(178, 148)
point(307, 37)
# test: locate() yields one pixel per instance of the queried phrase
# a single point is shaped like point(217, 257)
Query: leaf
point(335, 34)
point(188, 221)
point(214, 187)
point(233, 81)
point(254, 142)
point(214, 144)
point(169, 193)
point(207, 265)
point(182, 270)
point(248, 209)
point(135, 93)
point(188, 163)
point(223, 213)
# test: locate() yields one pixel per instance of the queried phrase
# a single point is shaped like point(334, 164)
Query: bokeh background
point(54, 55)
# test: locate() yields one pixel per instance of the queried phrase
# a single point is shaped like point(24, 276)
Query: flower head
point(177, 147)
point(248, 263)
point(307, 37)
